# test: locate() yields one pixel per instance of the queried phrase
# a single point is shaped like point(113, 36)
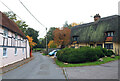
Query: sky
point(54, 13)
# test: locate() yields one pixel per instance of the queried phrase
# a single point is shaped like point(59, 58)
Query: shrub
point(99, 52)
point(104, 50)
point(109, 53)
point(80, 55)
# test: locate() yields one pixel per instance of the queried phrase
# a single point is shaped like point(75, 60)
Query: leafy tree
point(52, 44)
point(32, 33)
point(62, 37)
point(11, 15)
point(31, 43)
point(50, 34)
point(21, 24)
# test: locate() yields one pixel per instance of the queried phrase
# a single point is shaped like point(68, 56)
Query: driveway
point(42, 67)
point(104, 71)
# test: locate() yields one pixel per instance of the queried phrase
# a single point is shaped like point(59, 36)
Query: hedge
point(83, 54)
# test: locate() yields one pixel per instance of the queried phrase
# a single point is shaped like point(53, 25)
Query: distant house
point(14, 45)
point(104, 32)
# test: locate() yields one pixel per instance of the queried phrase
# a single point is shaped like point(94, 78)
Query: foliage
point(62, 37)
point(31, 43)
point(79, 55)
point(83, 54)
point(21, 24)
point(32, 33)
point(52, 44)
point(108, 59)
point(24, 27)
point(100, 52)
point(109, 53)
point(50, 34)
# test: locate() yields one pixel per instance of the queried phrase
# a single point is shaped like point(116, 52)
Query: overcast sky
point(54, 13)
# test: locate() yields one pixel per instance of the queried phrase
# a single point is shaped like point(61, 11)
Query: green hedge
point(83, 54)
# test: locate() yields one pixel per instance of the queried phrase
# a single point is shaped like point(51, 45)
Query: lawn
point(105, 60)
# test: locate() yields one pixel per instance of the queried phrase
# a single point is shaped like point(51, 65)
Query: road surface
point(41, 67)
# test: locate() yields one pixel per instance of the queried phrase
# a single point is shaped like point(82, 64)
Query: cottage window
point(4, 52)
point(75, 38)
point(23, 50)
point(109, 46)
point(5, 33)
point(16, 37)
point(100, 45)
point(15, 51)
point(110, 34)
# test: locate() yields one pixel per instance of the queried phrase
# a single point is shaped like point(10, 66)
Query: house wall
point(116, 46)
point(11, 43)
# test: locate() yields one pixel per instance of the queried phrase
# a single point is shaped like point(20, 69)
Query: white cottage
point(14, 45)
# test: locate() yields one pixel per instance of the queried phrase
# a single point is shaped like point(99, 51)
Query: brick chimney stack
point(97, 17)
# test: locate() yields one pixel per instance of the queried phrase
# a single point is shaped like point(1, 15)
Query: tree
point(21, 24)
point(50, 34)
point(62, 37)
point(11, 15)
point(32, 33)
point(31, 43)
point(52, 44)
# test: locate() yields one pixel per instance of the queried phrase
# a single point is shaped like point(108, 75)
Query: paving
point(103, 71)
point(41, 67)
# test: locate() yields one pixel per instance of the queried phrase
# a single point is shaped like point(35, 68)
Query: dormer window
point(110, 34)
point(75, 38)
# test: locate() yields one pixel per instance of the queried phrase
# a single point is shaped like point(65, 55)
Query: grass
point(105, 60)
point(37, 49)
point(44, 54)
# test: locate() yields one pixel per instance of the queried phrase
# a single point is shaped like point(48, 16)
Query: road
point(104, 71)
point(41, 67)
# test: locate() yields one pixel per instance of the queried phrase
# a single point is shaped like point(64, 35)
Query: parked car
point(52, 52)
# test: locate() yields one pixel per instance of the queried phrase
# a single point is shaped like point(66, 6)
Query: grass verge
point(44, 54)
point(105, 60)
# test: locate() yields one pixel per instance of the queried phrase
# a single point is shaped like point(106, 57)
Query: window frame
point(5, 52)
point(110, 34)
point(5, 33)
point(108, 45)
point(23, 51)
point(16, 37)
point(15, 51)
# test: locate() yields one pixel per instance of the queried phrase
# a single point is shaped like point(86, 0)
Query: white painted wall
point(11, 57)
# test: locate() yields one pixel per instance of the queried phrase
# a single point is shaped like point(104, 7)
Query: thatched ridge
point(95, 31)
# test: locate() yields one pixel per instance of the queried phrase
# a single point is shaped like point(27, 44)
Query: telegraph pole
point(46, 42)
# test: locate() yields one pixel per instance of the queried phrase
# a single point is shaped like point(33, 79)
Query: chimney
point(97, 17)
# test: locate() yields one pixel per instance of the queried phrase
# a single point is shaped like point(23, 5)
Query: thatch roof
point(95, 31)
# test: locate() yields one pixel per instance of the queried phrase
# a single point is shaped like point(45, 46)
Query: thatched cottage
point(104, 32)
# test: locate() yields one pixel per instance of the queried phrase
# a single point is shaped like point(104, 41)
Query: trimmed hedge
point(83, 54)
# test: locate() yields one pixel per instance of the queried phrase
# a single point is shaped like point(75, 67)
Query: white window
point(4, 52)
point(5, 34)
point(23, 50)
point(15, 51)
point(16, 37)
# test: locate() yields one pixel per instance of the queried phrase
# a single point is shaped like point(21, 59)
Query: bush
point(109, 53)
point(99, 52)
point(80, 55)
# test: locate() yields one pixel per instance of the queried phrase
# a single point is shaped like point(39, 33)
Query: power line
point(9, 9)
point(32, 14)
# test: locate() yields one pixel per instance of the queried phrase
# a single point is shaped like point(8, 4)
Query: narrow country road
point(41, 67)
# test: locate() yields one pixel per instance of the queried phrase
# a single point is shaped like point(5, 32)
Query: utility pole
point(46, 42)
